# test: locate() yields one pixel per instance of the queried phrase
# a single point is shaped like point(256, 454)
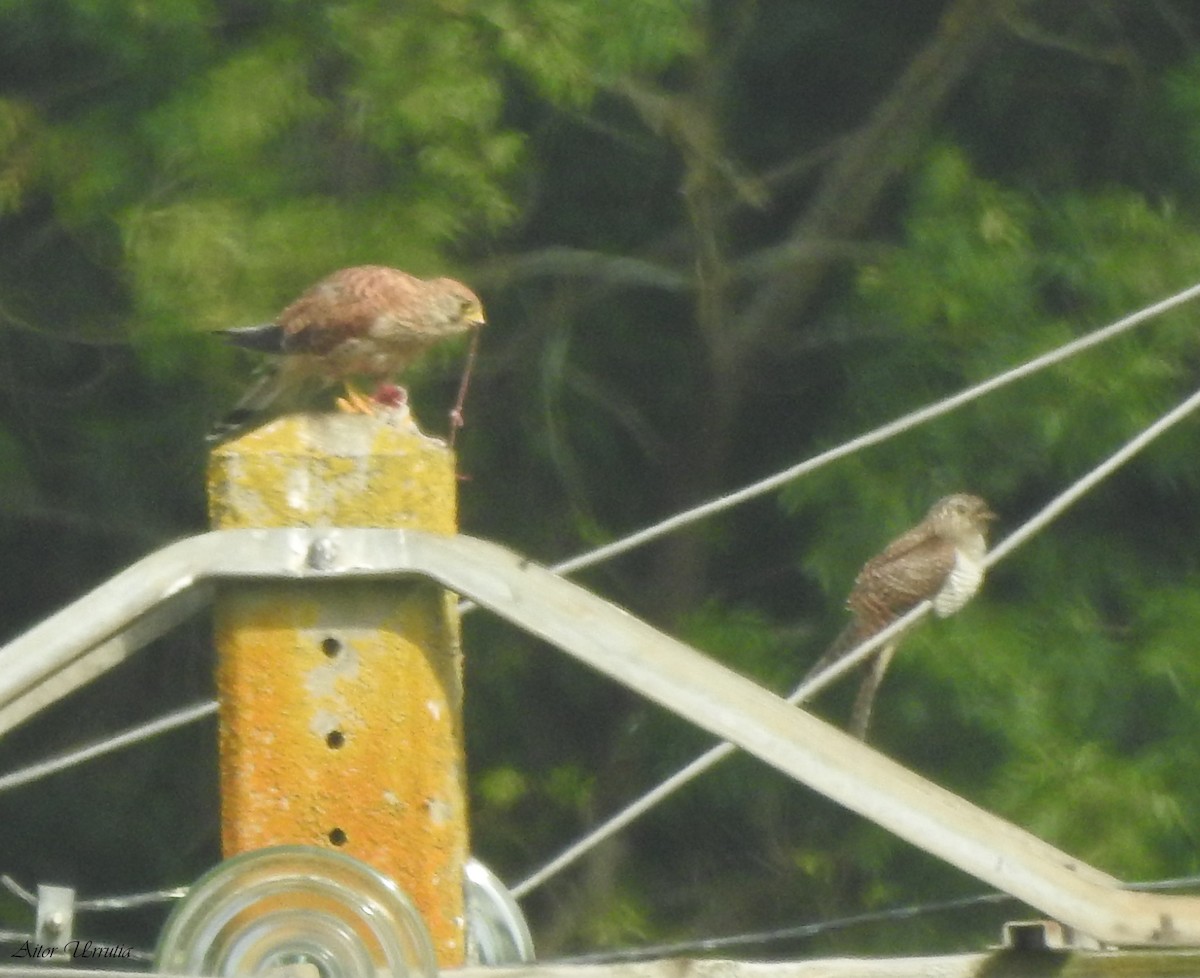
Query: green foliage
point(502, 787)
point(17, 125)
point(743, 638)
point(987, 277)
point(176, 167)
point(624, 181)
point(544, 38)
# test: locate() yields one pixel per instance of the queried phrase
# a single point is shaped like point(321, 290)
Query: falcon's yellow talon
point(355, 403)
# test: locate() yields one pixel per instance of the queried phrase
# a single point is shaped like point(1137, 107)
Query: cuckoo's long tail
point(849, 637)
point(877, 663)
point(860, 714)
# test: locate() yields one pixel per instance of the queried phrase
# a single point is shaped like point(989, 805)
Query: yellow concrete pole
point(341, 703)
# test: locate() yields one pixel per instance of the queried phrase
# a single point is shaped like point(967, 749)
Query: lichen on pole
point(341, 702)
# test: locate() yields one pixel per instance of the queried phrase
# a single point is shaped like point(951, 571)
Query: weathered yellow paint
point(341, 703)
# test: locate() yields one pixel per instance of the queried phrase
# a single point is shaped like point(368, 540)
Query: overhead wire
point(704, 762)
point(715, 506)
point(131, 901)
point(70, 971)
point(899, 426)
point(868, 439)
point(791, 932)
point(679, 520)
point(749, 938)
point(816, 928)
point(17, 890)
point(126, 902)
point(126, 738)
point(714, 755)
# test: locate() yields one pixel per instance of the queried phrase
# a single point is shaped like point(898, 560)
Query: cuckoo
point(941, 560)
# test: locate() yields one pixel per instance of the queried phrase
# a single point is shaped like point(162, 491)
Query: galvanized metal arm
point(105, 626)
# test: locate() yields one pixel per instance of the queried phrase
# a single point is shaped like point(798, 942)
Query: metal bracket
point(105, 626)
point(55, 915)
point(1045, 935)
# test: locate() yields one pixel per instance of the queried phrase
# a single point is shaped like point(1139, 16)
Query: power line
point(133, 901)
point(792, 932)
point(679, 520)
point(686, 517)
point(129, 902)
point(1085, 483)
point(709, 759)
point(17, 890)
point(905, 423)
point(897, 427)
point(910, 911)
point(717, 753)
point(1171, 883)
point(714, 755)
point(127, 738)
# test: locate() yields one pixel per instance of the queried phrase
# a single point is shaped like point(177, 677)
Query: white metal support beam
point(58, 654)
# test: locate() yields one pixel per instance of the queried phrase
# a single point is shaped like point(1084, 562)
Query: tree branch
point(872, 157)
point(563, 262)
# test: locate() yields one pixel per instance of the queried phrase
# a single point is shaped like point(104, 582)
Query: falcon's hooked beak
point(473, 315)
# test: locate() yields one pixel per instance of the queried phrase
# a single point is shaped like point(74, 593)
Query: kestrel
point(367, 322)
point(939, 560)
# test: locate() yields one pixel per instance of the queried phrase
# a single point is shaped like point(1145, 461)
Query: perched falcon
point(939, 560)
point(366, 322)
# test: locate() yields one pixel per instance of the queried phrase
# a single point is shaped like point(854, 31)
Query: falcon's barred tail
point(270, 386)
point(267, 388)
point(265, 337)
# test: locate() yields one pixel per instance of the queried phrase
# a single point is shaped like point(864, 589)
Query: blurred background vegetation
point(713, 238)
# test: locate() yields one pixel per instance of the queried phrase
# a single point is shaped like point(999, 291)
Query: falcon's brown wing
point(347, 304)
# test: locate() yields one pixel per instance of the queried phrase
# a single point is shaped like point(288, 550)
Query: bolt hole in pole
point(332, 648)
point(338, 837)
point(335, 739)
